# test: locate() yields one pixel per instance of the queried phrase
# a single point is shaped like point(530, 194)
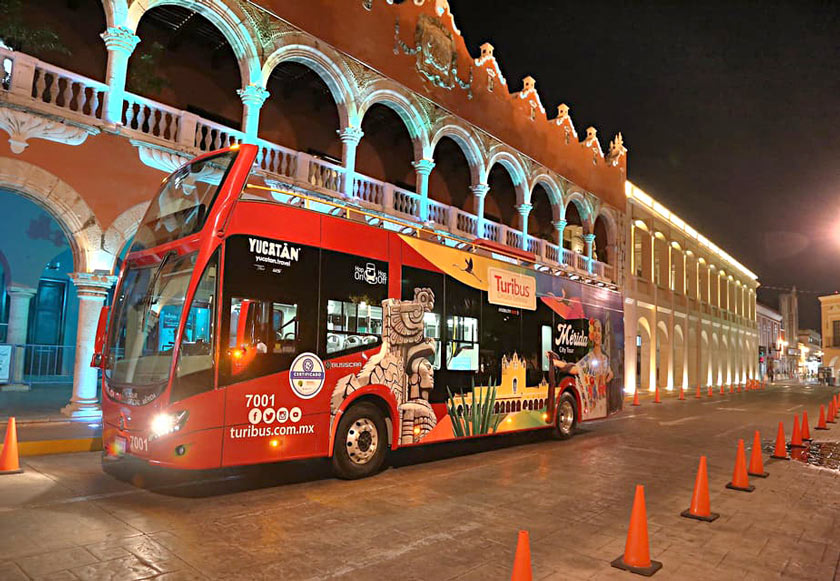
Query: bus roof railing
point(476, 246)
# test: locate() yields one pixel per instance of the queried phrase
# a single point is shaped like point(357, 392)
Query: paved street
point(446, 514)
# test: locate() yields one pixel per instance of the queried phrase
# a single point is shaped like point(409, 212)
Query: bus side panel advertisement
point(586, 343)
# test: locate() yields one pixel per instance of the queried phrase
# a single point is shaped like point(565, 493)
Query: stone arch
point(327, 65)
point(606, 240)
point(716, 375)
point(116, 12)
point(705, 375)
point(62, 202)
point(680, 374)
point(467, 141)
point(392, 96)
point(122, 230)
point(511, 162)
point(582, 205)
point(644, 357)
point(664, 356)
point(552, 188)
point(229, 21)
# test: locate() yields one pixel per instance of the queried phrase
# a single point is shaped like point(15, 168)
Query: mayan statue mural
point(402, 364)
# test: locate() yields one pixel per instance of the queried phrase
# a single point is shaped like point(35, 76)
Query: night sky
point(730, 112)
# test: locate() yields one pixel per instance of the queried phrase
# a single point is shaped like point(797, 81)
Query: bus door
point(269, 322)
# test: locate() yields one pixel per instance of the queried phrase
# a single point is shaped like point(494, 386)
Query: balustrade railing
point(368, 190)
point(406, 203)
point(54, 87)
point(66, 90)
point(151, 118)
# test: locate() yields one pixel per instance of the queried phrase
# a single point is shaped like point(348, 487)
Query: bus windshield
point(182, 204)
point(147, 312)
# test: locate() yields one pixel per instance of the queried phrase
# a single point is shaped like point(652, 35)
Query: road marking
point(796, 407)
point(679, 421)
point(734, 409)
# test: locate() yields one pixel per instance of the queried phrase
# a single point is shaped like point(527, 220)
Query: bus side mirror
point(99, 341)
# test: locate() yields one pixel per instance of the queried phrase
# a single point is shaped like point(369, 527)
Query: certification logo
point(306, 375)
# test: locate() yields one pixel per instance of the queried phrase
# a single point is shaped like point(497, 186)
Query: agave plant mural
point(475, 416)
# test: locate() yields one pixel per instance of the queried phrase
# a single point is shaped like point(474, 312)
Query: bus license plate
point(120, 446)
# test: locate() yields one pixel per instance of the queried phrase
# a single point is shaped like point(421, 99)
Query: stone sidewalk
point(443, 513)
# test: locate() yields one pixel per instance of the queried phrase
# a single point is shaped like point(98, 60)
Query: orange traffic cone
point(780, 451)
point(9, 459)
point(806, 431)
point(832, 411)
point(700, 508)
point(722, 390)
point(636, 557)
point(682, 393)
point(821, 422)
point(756, 462)
point(731, 388)
point(522, 559)
point(739, 389)
point(836, 400)
point(636, 397)
point(740, 480)
point(697, 395)
point(656, 396)
point(710, 391)
point(796, 436)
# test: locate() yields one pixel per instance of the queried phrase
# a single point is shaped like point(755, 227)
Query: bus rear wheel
point(567, 417)
point(361, 442)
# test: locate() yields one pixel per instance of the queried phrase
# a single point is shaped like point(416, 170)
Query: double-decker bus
point(257, 324)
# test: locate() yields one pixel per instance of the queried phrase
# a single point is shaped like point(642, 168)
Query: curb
point(44, 447)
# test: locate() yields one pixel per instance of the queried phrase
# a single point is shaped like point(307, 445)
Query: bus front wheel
point(361, 442)
point(567, 417)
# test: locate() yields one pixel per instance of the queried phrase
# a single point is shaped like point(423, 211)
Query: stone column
point(423, 168)
point(350, 138)
point(20, 298)
point(120, 42)
point(524, 211)
point(252, 96)
point(560, 226)
point(479, 192)
point(589, 239)
point(91, 290)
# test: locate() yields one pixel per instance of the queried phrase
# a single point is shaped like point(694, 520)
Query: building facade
point(770, 360)
point(403, 120)
point(689, 308)
point(789, 307)
point(830, 327)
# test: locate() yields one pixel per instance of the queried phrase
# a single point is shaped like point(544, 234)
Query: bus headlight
point(166, 423)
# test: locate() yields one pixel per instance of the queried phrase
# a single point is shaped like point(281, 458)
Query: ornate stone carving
point(617, 150)
point(487, 61)
point(253, 95)
point(402, 365)
point(592, 143)
point(437, 59)
point(432, 112)
point(269, 30)
point(121, 39)
point(565, 121)
point(165, 160)
point(529, 91)
point(22, 126)
point(362, 75)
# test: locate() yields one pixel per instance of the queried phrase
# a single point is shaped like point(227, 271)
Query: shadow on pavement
point(223, 481)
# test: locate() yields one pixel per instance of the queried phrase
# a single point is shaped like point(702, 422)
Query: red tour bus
point(254, 324)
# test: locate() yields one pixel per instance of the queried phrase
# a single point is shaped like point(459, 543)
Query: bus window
point(414, 278)
point(352, 324)
point(270, 310)
point(353, 288)
point(462, 310)
point(195, 370)
point(462, 347)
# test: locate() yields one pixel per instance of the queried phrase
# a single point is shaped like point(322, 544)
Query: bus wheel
point(360, 442)
point(567, 417)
